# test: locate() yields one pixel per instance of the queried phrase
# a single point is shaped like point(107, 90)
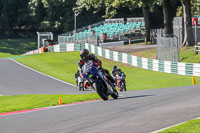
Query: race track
point(134, 112)
point(16, 79)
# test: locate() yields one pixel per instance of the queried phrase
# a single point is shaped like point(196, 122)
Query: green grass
point(149, 53)
point(187, 55)
point(64, 66)
point(17, 46)
point(6, 55)
point(192, 126)
point(59, 65)
point(21, 102)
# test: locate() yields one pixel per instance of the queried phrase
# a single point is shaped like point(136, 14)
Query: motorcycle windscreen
point(89, 70)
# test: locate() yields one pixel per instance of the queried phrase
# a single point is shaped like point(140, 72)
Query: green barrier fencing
point(145, 63)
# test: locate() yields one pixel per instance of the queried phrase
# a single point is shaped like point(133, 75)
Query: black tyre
point(101, 90)
point(115, 94)
point(124, 85)
point(81, 86)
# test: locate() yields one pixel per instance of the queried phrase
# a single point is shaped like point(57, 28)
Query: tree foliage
point(28, 16)
point(111, 7)
point(13, 15)
point(187, 20)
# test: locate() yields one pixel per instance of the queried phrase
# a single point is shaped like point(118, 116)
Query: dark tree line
point(169, 11)
point(25, 17)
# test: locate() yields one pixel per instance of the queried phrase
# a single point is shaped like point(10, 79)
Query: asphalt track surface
point(16, 79)
point(134, 112)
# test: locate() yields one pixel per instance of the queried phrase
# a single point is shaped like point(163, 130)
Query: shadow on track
point(88, 90)
point(135, 96)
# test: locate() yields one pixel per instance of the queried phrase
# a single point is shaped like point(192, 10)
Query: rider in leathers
point(85, 56)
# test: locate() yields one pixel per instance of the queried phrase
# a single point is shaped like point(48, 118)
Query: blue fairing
point(90, 73)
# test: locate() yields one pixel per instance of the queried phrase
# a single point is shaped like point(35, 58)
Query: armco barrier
point(59, 48)
point(145, 63)
point(33, 52)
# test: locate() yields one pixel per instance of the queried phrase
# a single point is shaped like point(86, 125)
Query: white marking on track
point(43, 73)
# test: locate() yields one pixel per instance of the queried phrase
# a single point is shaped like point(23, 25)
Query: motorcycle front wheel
point(101, 90)
point(115, 94)
point(81, 86)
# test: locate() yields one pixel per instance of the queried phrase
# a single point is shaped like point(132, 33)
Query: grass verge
point(21, 102)
point(6, 55)
point(149, 53)
point(187, 55)
point(64, 66)
point(192, 126)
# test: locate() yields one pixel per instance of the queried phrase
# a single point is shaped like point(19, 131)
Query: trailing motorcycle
point(98, 81)
point(121, 82)
point(80, 84)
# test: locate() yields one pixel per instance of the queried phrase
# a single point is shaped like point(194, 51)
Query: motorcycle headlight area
point(89, 75)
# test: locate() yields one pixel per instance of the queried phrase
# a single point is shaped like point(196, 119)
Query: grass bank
point(187, 55)
point(64, 65)
point(21, 102)
point(149, 53)
point(6, 55)
point(192, 126)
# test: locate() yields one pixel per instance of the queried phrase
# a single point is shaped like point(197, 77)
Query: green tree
point(195, 7)
point(187, 15)
point(111, 7)
point(37, 13)
point(1, 19)
point(167, 12)
point(40, 11)
point(146, 13)
point(169, 8)
point(14, 16)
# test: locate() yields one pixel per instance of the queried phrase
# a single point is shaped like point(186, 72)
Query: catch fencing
point(145, 63)
point(167, 48)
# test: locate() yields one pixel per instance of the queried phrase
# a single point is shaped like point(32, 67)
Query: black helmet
point(119, 70)
point(114, 67)
point(84, 54)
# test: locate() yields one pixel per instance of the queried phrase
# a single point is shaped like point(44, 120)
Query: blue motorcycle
point(98, 81)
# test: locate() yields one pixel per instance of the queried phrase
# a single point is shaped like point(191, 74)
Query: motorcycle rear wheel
point(101, 90)
point(124, 85)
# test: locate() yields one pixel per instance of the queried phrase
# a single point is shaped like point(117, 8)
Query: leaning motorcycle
point(121, 82)
point(98, 81)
